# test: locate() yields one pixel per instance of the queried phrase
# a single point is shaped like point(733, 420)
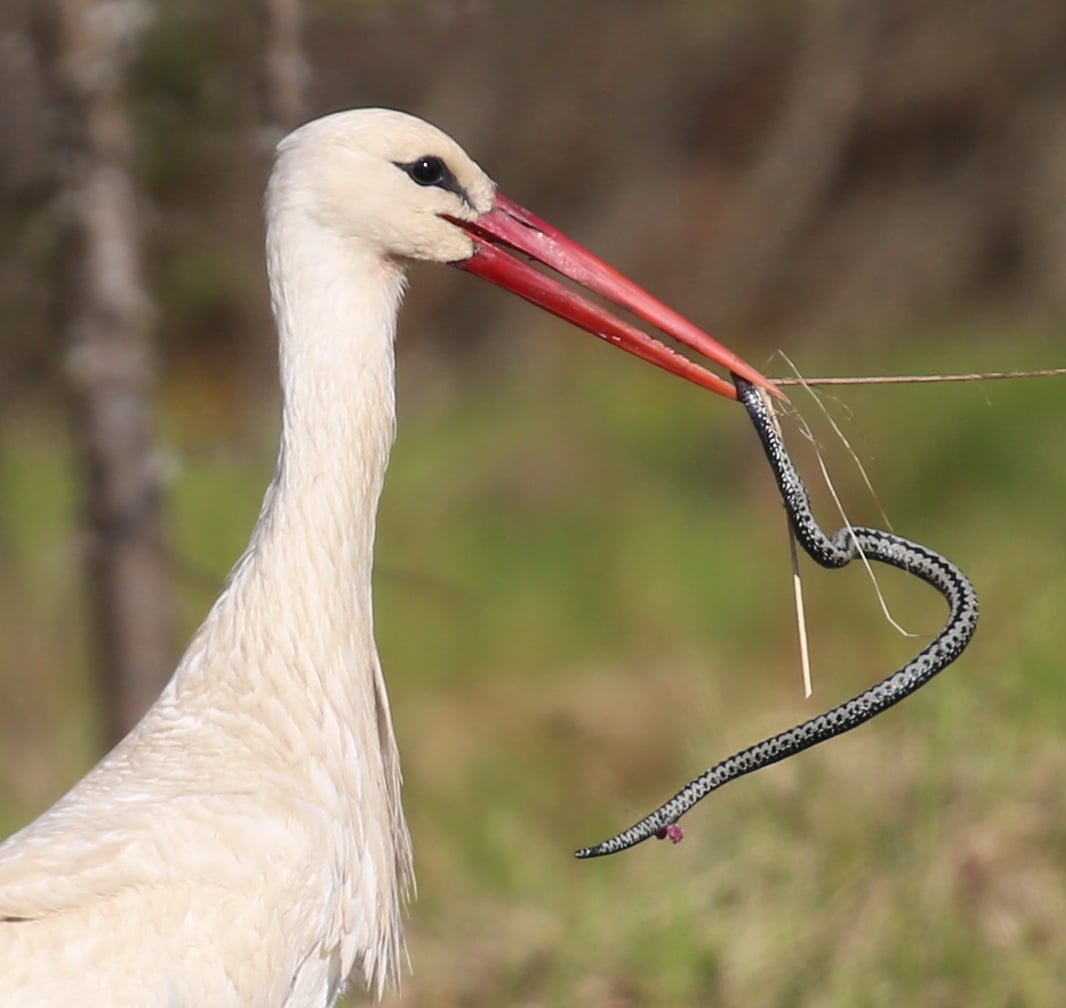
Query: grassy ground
point(583, 600)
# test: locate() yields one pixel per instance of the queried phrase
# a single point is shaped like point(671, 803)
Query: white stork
point(245, 844)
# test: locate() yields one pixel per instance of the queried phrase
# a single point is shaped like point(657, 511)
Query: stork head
point(409, 191)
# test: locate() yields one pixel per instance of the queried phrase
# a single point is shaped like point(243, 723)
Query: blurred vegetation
point(583, 588)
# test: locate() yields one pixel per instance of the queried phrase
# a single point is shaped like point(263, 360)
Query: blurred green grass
point(583, 599)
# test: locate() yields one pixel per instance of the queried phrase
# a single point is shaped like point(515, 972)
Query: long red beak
point(511, 226)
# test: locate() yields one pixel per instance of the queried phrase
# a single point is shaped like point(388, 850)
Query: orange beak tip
point(775, 390)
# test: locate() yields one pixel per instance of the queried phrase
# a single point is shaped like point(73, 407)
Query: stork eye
point(431, 171)
point(428, 171)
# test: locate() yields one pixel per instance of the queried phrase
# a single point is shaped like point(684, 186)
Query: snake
point(831, 551)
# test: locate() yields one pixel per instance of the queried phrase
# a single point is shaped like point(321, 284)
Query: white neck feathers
point(291, 640)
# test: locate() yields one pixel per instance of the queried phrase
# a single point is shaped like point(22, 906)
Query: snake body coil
point(830, 551)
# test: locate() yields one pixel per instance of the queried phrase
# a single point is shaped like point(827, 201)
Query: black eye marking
point(430, 170)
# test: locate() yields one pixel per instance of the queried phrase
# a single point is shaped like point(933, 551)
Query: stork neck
point(284, 672)
point(306, 575)
point(335, 302)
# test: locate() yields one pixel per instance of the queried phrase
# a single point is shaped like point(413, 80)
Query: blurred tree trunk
point(285, 68)
point(110, 364)
point(789, 182)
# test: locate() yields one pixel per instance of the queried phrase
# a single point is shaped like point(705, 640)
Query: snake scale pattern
point(836, 550)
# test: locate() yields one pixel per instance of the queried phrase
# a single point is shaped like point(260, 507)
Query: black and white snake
point(837, 550)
